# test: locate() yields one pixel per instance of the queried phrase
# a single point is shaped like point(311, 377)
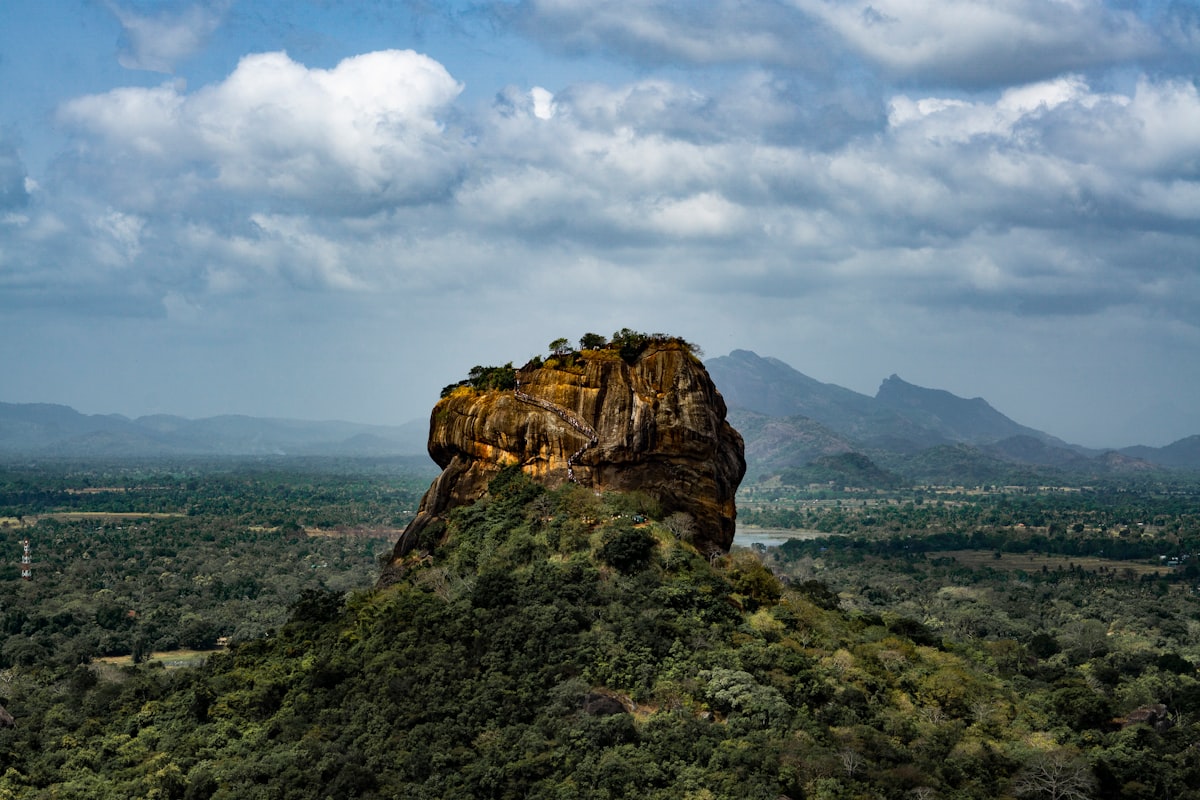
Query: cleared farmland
point(1035, 562)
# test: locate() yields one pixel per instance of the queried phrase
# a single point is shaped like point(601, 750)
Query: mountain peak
point(958, 419)
point(895, 386)
point(769, 386)
point(902, 416)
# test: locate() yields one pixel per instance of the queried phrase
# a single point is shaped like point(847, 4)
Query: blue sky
point(331, 209)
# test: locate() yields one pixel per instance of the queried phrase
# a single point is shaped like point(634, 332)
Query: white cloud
point(1061, 149)
point(360, 136)
point(948, 182)
point(543, 102)
point(948, 42)
point(955, 120)
point(119, 238)
point(313, 260)
point(159, 41)
point(15, 185)
point(784, 195)
point(348, 179)
point(982, 42)
point(1164, 130)
point(717, 31)
point(706, 214)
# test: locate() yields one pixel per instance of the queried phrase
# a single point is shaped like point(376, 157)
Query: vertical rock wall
point(656, 425)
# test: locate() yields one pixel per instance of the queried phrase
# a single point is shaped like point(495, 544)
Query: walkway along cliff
point(650, 421)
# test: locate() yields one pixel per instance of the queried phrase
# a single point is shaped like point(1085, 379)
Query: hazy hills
point(42, 429)
point(790, 421)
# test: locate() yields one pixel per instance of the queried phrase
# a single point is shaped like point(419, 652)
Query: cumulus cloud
point(1062, 140)
point(158, 41)
point(1038, 200)
point(949, 42)
point(543, 102)
point(15, 185)
point(118, 238)
point(363, 135)
point(351, 180)
point(1025, 175)
point(661, 31)
point(1042, 199)
point(984, 42)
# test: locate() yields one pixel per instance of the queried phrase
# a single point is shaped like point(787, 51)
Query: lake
point(749, 535)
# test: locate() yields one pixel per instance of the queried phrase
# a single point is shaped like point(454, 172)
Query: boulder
point(652, 421)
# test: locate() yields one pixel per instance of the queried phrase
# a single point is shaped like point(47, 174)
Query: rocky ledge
point(611, 419)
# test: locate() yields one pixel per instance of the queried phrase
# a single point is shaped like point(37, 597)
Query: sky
point(329, 209)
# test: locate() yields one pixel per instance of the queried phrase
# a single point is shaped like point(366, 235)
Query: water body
point(749, 535)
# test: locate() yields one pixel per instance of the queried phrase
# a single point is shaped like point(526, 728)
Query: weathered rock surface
point(656, 425)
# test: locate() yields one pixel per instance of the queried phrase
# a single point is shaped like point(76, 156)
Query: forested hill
point(560, 644)
point(900, 412)
point(788, 419)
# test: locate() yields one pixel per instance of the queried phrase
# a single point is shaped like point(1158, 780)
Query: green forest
point(564, 644)
point(136, 557)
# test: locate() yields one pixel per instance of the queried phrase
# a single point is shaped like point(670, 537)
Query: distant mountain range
point(795, 427)
point(41, 429)
point(799, 427)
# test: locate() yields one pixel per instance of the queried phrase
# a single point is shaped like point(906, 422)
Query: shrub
point(628, 550)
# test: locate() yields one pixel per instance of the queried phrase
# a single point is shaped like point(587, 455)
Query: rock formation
point(650, 421)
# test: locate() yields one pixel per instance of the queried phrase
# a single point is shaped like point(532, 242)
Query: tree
point(736, 692)
point(1057, 775)
point(316, 606)
point(592, 341)
point(682, 526)
point(490, 378)
point(560, 346)
point(628, 550)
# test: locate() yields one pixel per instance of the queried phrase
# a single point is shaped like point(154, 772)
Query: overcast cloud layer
point(332, 210)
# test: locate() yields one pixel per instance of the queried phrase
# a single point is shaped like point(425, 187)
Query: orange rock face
point(656, 425)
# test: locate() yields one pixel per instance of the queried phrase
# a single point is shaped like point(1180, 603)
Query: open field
point(355, 532)
point(171, 659)
point(1034, 562)
point(67, 516)
point(64, 516)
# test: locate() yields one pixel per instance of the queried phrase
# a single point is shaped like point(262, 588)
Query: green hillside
point(567, 645)
point(843, 469)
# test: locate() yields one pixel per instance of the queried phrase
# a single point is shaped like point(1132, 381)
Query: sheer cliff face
point(657, 426)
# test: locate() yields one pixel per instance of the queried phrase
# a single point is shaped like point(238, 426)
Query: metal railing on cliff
point(567, 417)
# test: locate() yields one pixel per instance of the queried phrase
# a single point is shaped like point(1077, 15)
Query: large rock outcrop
point(653, 422)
